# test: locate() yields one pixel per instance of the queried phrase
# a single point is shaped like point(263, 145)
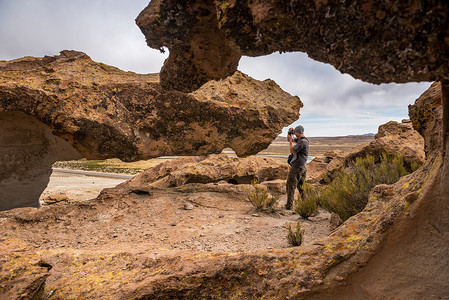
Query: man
point(297, 174)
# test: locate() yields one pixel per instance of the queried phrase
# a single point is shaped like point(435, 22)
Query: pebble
point(188, 206)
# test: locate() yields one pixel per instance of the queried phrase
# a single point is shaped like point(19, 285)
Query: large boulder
point(104, 112)
point(392, 138)
point(393, 41)
point(50, 103)
point(213, 168)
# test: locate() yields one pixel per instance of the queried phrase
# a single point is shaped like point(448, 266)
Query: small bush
point(295, 237)
point(347, 193)
point(306, 204)
point(261, 199)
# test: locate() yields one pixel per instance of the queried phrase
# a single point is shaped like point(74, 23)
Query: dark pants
point(295, 179)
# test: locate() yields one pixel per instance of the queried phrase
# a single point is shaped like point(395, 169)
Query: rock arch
point(28, 149)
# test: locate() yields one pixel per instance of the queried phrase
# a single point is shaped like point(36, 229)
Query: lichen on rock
point(392, 41)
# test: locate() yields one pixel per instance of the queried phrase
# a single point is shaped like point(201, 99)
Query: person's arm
point(297, 147)
point(290, 140)
point(291, 146)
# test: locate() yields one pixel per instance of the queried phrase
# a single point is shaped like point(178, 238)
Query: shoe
point(288, 206)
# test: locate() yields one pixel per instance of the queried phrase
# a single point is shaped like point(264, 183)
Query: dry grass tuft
point(295, 236)
point(306, 205)
point(261, 199)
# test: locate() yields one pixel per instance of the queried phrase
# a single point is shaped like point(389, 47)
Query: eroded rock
point(27, 151)
point(210, 169)
point(375, 42)
point(103, 112)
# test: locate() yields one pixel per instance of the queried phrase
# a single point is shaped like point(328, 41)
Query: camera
point(291, 132)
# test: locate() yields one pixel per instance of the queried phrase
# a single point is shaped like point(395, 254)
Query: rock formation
point(397, 245)
point(104, 112)
point(214, 168)
point(376, 42)
point(27, 151)
point(105, 247)
point(393, 41)
point(107, 113)
point(392, 138)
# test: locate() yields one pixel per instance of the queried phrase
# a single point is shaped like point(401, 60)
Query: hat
point(299, 129)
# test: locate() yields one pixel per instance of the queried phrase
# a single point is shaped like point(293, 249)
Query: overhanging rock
point(378, 42)
point(104, 112)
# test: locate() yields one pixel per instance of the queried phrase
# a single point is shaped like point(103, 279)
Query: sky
point(335, 104)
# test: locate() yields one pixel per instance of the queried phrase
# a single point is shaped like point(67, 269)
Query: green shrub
point(306, 204)
point(347, 193)
point(260, 198)
point(295, 236)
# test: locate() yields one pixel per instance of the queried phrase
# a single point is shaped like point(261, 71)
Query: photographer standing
point(297, 174)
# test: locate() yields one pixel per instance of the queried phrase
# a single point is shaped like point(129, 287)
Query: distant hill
point(320, 145)
point(362, 137)
point(366, 134)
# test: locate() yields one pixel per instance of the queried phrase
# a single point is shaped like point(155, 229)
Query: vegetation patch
point(261, 198)
point(346, 194)
point(306, 205)
point(108, 165)
point(294, 237)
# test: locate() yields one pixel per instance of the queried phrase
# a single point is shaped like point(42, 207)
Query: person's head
point(299, 131)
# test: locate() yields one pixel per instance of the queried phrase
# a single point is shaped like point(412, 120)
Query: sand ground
point(79, 187)
point(218, 222)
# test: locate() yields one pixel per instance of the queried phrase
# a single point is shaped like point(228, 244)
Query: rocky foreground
point(378, 42)
point(184, 229)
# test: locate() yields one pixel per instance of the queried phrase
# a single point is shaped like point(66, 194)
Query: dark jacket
point(301, 153)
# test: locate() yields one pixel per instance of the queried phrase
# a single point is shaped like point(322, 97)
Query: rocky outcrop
point(427, 118)
point(387, 42)
point(392, 138)
point(27, 151)
point(111, 251)
point(103, 112)
point(214, 168)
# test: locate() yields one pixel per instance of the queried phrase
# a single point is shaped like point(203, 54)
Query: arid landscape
point(79, 186)
point(119, 185)
point(215, 224)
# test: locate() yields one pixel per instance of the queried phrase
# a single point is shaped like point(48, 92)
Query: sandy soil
point(78, 187)
point(219, 221)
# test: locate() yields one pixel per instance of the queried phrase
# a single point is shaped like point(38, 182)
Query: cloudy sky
point(335, 104)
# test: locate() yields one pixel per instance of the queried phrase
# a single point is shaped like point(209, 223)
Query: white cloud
point(334, 103)
point(105, 30)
